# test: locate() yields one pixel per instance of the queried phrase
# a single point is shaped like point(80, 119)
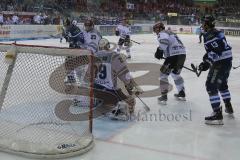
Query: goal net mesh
point(38, 117)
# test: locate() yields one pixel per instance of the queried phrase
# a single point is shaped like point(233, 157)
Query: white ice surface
point(189, 139)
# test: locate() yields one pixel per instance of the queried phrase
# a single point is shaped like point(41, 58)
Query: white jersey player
point(174, 53)
point(87, 39)
point(91, 36)
point(123, 30)
point(112, 66)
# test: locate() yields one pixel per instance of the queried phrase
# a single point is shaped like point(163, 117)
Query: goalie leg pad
point(130, 100)
point(121, 112)
point(131, 103)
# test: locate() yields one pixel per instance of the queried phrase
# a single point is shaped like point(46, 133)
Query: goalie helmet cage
point(37, 116)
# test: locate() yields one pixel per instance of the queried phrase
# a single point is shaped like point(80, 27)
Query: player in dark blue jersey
point(218, 60)
point(76, 40)
point(65, 29)
point(76, 37)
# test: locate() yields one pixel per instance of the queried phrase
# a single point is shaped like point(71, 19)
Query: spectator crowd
point(109, 11)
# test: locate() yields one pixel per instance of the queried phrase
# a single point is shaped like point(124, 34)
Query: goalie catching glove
point(133, 88)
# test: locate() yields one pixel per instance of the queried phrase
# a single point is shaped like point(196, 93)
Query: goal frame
point(58, 51)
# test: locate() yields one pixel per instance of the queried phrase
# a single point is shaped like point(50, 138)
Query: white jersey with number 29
point(111, 67)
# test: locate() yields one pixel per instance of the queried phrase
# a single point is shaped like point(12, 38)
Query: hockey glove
point(159, 54)
point(207, 59)
point(127, 40)
point(117, 33)
point(204, 66)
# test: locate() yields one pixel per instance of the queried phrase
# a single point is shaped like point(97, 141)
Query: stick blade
point(145, 106)
point(147, 109)
point(195, 69)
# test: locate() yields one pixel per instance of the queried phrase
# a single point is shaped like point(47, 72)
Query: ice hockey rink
point(181, 134)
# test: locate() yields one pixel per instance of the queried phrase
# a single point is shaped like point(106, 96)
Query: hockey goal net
point(37, 116)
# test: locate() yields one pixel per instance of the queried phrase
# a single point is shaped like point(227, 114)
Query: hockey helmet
point(209, 21)
point(125, 20)
point(103, 44)
point(158, 27)
point(89, 25)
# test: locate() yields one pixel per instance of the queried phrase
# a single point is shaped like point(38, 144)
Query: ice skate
point(180, 96)
point(228, 108)
point(215, 119)
point(162, 100)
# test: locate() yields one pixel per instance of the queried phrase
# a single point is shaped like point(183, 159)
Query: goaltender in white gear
point(112, 67)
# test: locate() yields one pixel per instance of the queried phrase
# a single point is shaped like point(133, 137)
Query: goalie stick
point(146, 107)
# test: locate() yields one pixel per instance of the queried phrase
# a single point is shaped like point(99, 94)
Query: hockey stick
point(196, 70)
point(135, 42)
point(55, 36)
point(192, 70)
point(146, 107)
point(236, 67)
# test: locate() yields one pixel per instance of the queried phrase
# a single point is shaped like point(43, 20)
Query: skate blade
point(180, 98)
point(214, 122)
point(162, 102)
point(117, 118)
point(228, 112)
point(230, 115)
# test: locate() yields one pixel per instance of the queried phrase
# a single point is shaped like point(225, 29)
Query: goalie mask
point(88, 25)
point(158, 27)
point(103, 44)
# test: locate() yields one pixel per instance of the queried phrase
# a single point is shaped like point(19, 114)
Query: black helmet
point(210, 21)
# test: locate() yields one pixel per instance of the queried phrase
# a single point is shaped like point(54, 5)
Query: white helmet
point(74, 22)
point(103, 44)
